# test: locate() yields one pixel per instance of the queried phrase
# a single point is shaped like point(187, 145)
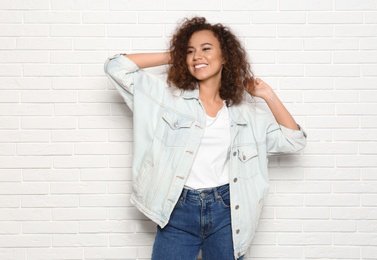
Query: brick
point(78, 214)
point(355, 5)
point(368, 122)
point(111, 253)
point(302, 213)
point(120, 110)
point(369, 70)
point(54, 253)
point(332, 252)
point(10, 228)
point(82, 109)
point(120, 188)
point(355, 57)
point(149, 44)
point(52, 17)
point(332, 200)
point(25, 214)
point(355, 31)
point(335, 17)
point(367, 148)
point(51, 70)
point(355, 239)
point(122, 135)
point(100, 97)
point(331, 148)
point(332, 174)
point(305, 31)
point(134, 31)
point(55, 201)
point(278, 17)
point(44, 43)
point(250, 5)
point(108, 148)
point(288, 252)
point(9, 241)
point(370, 17)
point(96, 227)
point(132, 239)
point(109, 17)
point(23, 188)
point(284, 200)
point(122, 161)
point(77, 188)
point(52, 227)
point(10, 70)
point(135, 5)
point(330, 226)
point(44, 149)
point(356, 213)
point(79, 136)
point(50, 175)
point(274, 44)
point(112, 44)
point(105, 201)
point(10, 175)
point(331, 96)
point(369, 252)
point(305, 57)
point(24, 57)
point(7, 43)
point(258, 31)
point(332, 70)
point(81, 162)
point(355, 135)
point(331, 122)
point(79, 240)
point(279, 70)
point(24, 83)
point(368, 44)
point(352, 83)
point(331, 44)
point(78, 5)
point(355, 187)
point(10, 17)
point(109, 122)
point(367, 226)
point(58, 30)
point(25, 4)
point(8, 202)
point(306, 5)
point(369, 200)
point(304, 239)
point(125, 214)
point(9, 123)
point(279, 226)
point(47, 96)
point(48, 123)
point(77, 57)
point(22, 162)
point(306, 83)
point(118, 174)
point(24, 30)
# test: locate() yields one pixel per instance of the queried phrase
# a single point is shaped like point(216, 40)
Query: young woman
point(200, 145)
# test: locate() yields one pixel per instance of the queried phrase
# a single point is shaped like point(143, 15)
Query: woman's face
point(204, 57)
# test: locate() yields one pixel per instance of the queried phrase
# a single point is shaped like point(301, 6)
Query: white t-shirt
point(211, 165)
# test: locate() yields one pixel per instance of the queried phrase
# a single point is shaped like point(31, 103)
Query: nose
point(197, 55)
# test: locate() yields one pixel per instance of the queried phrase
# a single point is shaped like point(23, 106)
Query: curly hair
point(236, 73)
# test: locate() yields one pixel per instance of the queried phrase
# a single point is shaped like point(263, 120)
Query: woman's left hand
point(259, 88)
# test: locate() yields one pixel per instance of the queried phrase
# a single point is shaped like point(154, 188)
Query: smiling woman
point(200, 149)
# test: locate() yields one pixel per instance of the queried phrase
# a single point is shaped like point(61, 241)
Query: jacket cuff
point(295, 134)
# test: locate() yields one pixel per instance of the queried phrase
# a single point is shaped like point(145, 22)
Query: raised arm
point(263, 90)
point(146, 60)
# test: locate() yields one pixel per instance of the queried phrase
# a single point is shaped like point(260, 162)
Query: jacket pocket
point(174, 129)
point(248, 161)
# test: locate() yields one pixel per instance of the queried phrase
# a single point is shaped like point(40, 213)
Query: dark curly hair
point(236, 72)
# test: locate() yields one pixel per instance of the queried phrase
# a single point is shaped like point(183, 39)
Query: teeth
point(200, 66)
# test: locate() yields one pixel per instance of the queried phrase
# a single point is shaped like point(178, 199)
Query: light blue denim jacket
point(168, 128)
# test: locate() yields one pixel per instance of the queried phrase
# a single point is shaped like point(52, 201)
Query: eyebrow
point(206, 43)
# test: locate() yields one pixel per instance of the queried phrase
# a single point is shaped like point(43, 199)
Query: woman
point(200, 146)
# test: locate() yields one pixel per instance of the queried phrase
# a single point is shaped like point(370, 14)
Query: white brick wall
point(66, 135)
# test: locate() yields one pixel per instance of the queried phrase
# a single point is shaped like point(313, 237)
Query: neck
point(209, 91)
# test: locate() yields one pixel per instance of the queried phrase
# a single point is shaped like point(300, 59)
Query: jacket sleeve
point(281, 139)
point(122, 72)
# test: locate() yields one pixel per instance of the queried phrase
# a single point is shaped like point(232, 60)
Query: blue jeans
point(200, 221)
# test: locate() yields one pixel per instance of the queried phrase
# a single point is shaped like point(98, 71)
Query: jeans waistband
point(205, 193)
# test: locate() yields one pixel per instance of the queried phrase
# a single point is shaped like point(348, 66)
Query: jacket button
point(234, 153)
point(237, 207)
point(235, 180)
point(244, 157)
point(237, 231)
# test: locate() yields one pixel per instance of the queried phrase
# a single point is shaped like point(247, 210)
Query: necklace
point(211, 120)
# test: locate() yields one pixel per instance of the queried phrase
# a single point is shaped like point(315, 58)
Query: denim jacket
point(168, 128)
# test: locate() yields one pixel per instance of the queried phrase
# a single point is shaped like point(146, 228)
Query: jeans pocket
point(224, 199)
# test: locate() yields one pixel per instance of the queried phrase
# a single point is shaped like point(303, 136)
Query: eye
point(206, 49)
point(190, 51)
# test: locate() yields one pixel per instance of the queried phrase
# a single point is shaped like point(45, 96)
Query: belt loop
point(184, 195)
point(216, 193)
